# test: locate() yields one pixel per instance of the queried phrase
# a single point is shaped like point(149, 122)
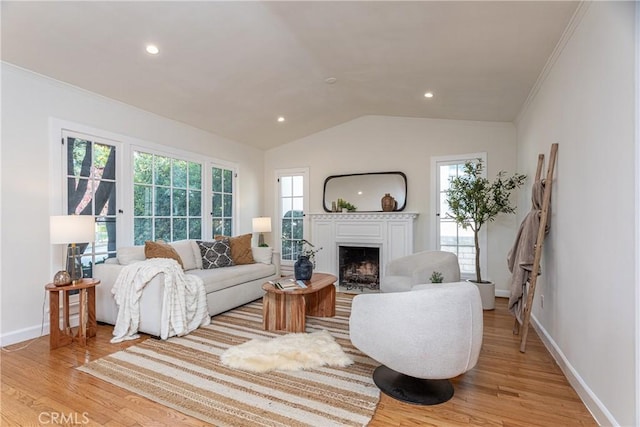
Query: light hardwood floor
point(506, 388)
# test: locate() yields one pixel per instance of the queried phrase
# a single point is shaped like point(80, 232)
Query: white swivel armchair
point(403, 273)
point(422, 338)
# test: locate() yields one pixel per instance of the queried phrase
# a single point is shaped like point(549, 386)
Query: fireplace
point(390, 233)
point(359, 267)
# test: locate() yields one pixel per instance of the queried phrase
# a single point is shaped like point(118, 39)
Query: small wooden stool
point(87, 316)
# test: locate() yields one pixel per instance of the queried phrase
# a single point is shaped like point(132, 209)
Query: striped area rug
point(186, 374)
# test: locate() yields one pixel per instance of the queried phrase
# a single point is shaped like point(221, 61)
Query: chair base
point(410, 389)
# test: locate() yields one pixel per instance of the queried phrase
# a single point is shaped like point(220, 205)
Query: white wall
point(28, 103)
point(380, 143)
point(586, 104)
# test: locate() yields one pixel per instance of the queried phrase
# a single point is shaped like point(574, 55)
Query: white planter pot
point(487, 294)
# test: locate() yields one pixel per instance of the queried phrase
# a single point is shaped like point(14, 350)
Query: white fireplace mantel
point(392, 232)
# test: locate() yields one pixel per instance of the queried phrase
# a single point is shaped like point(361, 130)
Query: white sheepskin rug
point(291, 352)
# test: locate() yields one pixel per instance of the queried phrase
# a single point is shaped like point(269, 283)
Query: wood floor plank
point(507, 388)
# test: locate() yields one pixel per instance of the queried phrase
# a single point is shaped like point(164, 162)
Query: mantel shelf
point(357, 216)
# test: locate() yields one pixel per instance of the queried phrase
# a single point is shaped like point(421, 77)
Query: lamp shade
point(262, 224)
point(72, 229)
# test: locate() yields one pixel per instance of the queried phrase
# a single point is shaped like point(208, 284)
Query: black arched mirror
point(365, 190)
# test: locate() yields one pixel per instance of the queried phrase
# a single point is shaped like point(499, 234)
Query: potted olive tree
point(473, 201)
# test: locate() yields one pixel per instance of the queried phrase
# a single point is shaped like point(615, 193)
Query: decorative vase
point(303, 268)
point(62, 278)
point(388, 203)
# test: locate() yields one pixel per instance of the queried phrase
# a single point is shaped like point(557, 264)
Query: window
point(292, 188)
point(449, 236)
point(222, 201)
point(91, 190)
point(167, 198)
point(139, 191)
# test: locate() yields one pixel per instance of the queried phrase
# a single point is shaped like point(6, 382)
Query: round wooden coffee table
point(287, 310)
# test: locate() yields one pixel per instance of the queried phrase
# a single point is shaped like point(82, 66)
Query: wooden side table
point(87, 316)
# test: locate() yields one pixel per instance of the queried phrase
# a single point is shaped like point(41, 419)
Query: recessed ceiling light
point(152, 49)
point(330, 80)
point(280, 119)
point(428, 95)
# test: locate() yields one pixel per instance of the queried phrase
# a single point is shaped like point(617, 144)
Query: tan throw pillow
point(240, 249)
point(160, 249)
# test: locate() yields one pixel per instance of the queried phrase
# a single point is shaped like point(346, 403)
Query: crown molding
point(576, 19)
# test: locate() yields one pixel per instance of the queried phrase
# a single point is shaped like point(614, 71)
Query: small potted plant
point(473, 201)
point(343, 206)
point(436, 277)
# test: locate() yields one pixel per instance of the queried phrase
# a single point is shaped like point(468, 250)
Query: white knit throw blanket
point(184, 304)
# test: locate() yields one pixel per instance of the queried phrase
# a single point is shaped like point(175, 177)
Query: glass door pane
point(450, 236)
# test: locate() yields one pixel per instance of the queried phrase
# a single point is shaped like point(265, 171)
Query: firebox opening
point(359, 267)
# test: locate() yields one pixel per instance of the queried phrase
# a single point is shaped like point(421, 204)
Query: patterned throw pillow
point(215, 254)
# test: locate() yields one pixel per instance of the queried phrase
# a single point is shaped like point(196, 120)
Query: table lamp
point(71, 229)
point(261, 225)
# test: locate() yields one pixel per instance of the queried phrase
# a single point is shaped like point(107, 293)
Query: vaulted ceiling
point(233, 68)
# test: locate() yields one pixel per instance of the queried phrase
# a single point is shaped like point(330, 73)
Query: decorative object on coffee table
point(303, 267)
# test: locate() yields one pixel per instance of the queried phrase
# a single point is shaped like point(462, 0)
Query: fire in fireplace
point(359, 267)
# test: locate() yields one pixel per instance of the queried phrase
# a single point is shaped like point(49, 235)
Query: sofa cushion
point(130, 254)
point(240, 248)
point(262, 254)
point(215, 254)
point(197, 255)
point(184, 248)
point(221, 278)
point(161, 249)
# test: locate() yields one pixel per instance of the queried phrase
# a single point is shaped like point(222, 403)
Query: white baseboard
point(25, 334)
point(599, 412)
point(502, 293)
point(32, 332)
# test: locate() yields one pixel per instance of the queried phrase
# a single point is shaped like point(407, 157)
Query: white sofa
point(226, 287)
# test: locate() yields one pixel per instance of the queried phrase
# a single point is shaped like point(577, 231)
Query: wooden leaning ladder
point(535, 270)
